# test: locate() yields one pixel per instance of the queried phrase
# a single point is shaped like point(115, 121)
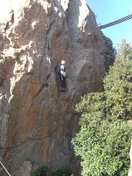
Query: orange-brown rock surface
point(37, 121)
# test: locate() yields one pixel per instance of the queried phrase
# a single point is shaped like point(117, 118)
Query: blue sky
point(109, 10)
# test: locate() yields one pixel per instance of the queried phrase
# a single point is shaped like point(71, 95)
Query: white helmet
point(62, 62)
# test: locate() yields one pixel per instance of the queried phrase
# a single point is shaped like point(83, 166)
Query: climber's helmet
point(62, 62)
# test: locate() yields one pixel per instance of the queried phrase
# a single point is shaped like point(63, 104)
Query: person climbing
point(62, 74)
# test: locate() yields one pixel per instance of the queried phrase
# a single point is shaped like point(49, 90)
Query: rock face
point(24, 170)
point(37, 121)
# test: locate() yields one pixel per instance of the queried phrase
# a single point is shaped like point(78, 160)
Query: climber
point(62, 74)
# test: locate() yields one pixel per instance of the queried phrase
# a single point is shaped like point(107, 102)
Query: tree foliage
point(105, 132)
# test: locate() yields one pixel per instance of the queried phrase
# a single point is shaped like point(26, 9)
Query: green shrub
point(61, 173)
point(103, 141)
point(104, 148)
point(41, 171)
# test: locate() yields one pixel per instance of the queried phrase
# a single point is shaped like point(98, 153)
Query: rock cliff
point(37, 121)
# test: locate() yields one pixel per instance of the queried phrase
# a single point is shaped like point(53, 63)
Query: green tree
point(103, 141)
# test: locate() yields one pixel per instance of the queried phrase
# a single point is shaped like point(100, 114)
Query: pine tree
point(103, 141)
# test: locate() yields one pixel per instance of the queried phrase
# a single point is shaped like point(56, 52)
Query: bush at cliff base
point(103, 141)
point(61, 173)
point(41, 171)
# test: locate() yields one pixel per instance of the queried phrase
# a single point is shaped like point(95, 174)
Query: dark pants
point(62, 81)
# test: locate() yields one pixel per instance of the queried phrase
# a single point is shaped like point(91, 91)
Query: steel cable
point(121, 20)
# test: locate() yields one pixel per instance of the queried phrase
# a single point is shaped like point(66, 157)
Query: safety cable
point(121, 20)
point(5, 168)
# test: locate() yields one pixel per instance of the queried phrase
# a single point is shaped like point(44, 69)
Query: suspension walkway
point(121, 20)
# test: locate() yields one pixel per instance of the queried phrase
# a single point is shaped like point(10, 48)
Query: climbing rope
point(121, 20)
point(5, 168)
